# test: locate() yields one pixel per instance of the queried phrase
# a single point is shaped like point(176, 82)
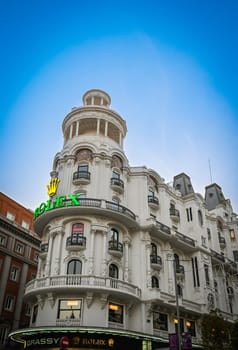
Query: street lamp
point(177, 306)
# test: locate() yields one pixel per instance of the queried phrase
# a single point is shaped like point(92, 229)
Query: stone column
point(148, 268)
point(59, 234)
point(91, 254)
point(71, 131)
point(106, 128)
point(171, 287)
point(126, 256)
point(49, 255)
point(77, 128)
point(98, 126)
point(104, 254)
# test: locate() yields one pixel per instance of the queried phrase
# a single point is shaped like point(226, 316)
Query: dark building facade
point(19, 252)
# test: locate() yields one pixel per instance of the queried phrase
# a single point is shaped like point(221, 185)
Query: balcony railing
point(153, 201)
point(76, 239)
point(81, 177)
point(163, 228)
point(114, 245)
point(216, 255)
point(85, 282)
point(155, 259)
point(117, 184)
point(117, 207)
point(180, 269)
point(185, 239)
point(174, 214)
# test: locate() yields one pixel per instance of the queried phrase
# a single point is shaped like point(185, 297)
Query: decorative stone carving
point(103, 299)
point(51, 299)
point(89, 299)
point(41, 301)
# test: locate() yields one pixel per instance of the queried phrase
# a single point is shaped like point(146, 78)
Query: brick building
point(19, 252)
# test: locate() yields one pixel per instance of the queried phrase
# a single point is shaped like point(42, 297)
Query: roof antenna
point(210, 170)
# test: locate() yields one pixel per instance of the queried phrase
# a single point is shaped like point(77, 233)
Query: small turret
point(183, 184)
point(213, 196)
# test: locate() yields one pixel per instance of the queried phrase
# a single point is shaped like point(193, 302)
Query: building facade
point(19, 253)
point(123, 254)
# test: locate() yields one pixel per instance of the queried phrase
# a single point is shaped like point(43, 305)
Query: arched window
point(114, 235)
point(113, 271)
point(179, 290)
point(77, 228)
point(154, 282)
point(74, 267)
point(200, 218)
point(153, 249)
point(176, 258)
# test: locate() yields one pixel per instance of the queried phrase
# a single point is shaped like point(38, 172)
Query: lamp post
point(177, 306)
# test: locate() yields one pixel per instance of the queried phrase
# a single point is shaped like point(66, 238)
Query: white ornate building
point(115, 241)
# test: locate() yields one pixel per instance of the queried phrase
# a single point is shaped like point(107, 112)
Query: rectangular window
point(3, 335)
point(27, 310)
point(9, 303)
point(3, 240)
point(189, 214)
point(14, 274)
point(19, 248)
point(193, 270)
point(36, 257)
point(10, 216)
point(25, 224)
point(235, 254)
point(208, 234)
point(204, 241)
point(197, 273)
point(69, 309)
point(115, 175)
point(206, 269)
point(83, 168)
point(232, 234)
point(115, 313)
point(160, 321)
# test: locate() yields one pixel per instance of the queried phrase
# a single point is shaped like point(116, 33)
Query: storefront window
point(115, 313)
point(69, 309)
point(160, 321)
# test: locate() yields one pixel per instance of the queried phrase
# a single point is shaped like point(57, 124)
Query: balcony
point(43, 249)
point(230, 292)
point(216, 256)
point(163, 228)
point(222, 242)
point(174, 214)
point(155, 262)
point(115, 248)
point(81, 177)
point(231, 265)
point(180, 270)
point(76, 242)
point(81, 284)
point(117, 185)
point(86, 206)
point(153, 202)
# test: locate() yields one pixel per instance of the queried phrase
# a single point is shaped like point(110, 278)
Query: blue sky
point(170, 68)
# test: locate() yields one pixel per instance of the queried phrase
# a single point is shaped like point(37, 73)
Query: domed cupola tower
point(93, 140)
